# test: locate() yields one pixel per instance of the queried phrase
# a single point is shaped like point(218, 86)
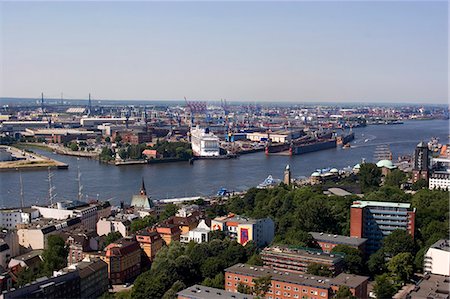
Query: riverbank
point(29, 160)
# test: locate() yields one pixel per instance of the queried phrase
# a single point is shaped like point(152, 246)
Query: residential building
point(118, 223)
point(440, 174)
point(87, 279)
point(204, 143)
point(431, 286)
point(437, 258)
point(287, 285)
point(298, 259)
point(328, 241)
point(132, 136)
point(185, 224)
point(168, 232)
point(374, 220)
point(31, 260)
point(34, 235)
point(243, 229)
point(421, 162)
point(201, 292)
point(66, 285)
point(93, 277)
point(124, 260)
point(80, 241)
point(151, 242)
point(5, 253)
point(199, 234)
point(9, 218)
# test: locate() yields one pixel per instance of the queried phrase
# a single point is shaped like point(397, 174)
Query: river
point(205, 177)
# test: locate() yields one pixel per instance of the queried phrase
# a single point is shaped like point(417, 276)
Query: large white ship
point(204, 143)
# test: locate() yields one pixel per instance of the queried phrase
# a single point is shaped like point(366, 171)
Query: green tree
point(353, 260)
point(212, 266)
point(244, 289)
point(169, 211)
point(262, 286)
point(419, 184)
point(111, 238)
point(73, 147)
point(401, 266)
point(142, 223)
point(106, 154)
point(172, 292)
point(319, 269)
point(377, 262)
point(369, 177)
point(384, 287)
point(217, 282)
point(25, 275)
point(344, 293)
point(54, 257)
point(395, 178)
point(255, 260)
point(398, 241)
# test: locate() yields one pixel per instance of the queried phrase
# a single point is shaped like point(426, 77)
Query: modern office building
point(374, 220)
point(328, 241)
point(298, 259)
point(287, 285)
point(437, 258)
point(260, 231)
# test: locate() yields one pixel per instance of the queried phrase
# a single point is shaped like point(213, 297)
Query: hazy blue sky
point(296, 51)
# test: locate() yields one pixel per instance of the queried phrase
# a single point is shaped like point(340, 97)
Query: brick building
point(151, 242)
point(288, 285)
point(374, 220)
point(297, 259)
point(327, 241)
point(124, 260)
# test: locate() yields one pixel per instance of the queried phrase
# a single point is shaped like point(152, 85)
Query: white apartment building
point(437, 258)
point(114, 224)
point(9, 218)
point(242, 229)
point(440, 174)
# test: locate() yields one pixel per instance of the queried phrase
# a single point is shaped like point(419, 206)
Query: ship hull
point(313, 147)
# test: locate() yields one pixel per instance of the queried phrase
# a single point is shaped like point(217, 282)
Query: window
point(277, 285)
point(296, 289)
point(229, 283)
point(305, 291)
point(295, 296)
point(322, 294)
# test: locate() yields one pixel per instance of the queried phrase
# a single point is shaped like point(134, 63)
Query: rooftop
point(433, 287)
point(364, 204)
point(202, 292)
point(235, 218)
point(349, 280)
point(300, 252)
point(351, 241)
point(442, 244)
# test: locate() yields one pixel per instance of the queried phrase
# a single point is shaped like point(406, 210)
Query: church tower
point(287, 175)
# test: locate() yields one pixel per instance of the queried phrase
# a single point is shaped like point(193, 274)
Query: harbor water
point(205, 177)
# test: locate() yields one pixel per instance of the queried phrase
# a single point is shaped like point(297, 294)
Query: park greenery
point(173, 150)
point(178, 265)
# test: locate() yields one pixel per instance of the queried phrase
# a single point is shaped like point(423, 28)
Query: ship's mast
point(21, 189)
point(51, 188)
point(80, 187)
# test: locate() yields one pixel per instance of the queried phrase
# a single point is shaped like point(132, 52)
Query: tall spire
point(143, 191)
